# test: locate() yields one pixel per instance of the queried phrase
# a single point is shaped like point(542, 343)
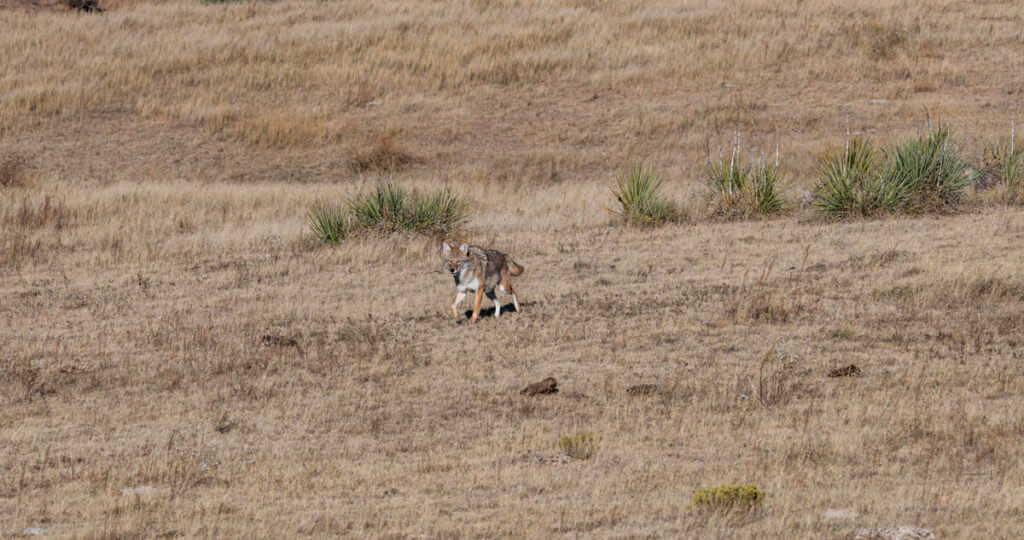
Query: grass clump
point(640, 198)
point(1003, 164)
point(851, 185)
point(729, 497)
point(929, 170)
point(389, 208)
point(922, 174)
point(583, 445)
point(329, 223)
point(740, 189)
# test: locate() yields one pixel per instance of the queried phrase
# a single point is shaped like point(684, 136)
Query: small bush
point(741, 190)
point(583, 445)
point(640, 199)
point(730, 497)
point(1003, 163)
point(384, 153)
point(389, 208)
point(928, 170)
point(330, 225)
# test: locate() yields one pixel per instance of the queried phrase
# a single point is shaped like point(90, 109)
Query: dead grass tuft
point(383, 153)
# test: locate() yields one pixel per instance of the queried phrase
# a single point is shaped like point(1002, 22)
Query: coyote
point(480, 271)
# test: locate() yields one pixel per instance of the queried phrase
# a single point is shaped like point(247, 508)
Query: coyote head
point(452, 261)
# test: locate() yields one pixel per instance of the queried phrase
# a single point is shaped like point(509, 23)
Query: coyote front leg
point(476, 304)
point(455, 305)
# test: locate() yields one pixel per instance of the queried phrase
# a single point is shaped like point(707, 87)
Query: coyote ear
point(464, 249)
point(446, 248)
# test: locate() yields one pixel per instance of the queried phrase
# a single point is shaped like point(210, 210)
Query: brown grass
point(178, 357)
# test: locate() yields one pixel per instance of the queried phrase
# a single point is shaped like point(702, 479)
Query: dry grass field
point(178, 356)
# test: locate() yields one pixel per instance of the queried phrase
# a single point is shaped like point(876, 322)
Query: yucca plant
point(640, 199)
point(329, 223)
point(440, 211)
point(741, 189)
point(850, 184)
point(389, 208)
point(928, 170)
point(1004, 162)
point(383, 208)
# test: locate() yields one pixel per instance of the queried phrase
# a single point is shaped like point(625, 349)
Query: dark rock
point(845, 371)
point(642, 390)
point(547, 386)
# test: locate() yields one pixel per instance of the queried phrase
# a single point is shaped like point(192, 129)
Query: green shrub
point(583, 445)
point(928, 170)
point(640, 199)
point(728, 497)
point(740, 189)
point(389, 208)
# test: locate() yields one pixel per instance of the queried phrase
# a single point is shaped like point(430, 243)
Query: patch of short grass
point(583, 445)
point(728, 497)
point(641, 201)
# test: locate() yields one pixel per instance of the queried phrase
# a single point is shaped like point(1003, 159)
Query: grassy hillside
point(179, 356)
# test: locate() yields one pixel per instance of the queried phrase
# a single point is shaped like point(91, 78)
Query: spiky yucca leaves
point(381, 208)
point(741, 190)
point(850, 184)
point(440, 211)
point(640, 198)
point(329, 223)
point(930, 171)
point(1004, 163)
point(389, 208)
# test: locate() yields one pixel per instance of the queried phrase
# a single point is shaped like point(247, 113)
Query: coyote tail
point(515, 269)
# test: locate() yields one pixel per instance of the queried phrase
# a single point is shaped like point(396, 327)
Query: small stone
point(845, 371)
point(269, 340)
point(547, 386)
point(642, 390)
point(898, 533)
point(33, 531)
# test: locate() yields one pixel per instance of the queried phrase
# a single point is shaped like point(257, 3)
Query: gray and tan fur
point(481, 271)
